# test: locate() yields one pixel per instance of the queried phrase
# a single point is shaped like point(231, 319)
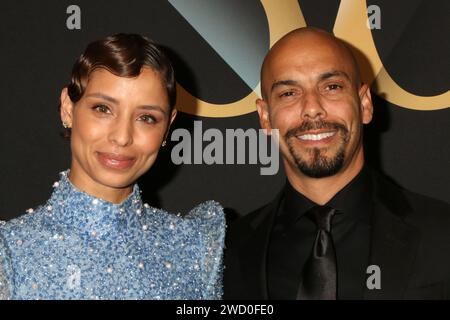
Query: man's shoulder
point(428, 213)
point(409, 204)
point(422, 202)
point(429, 216)
point(428, 224)
point(257, 216)
point(265, 208)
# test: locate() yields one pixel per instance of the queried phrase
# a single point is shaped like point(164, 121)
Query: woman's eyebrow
point(115, 101)
point(152, 107)
point(103, 96)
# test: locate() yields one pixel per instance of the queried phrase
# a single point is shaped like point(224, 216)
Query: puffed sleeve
point(212, 226)
point(4, 263)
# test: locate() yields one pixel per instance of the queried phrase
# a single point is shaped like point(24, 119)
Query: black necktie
point(318, 281)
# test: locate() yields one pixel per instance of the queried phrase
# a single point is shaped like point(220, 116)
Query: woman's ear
point(66, 109)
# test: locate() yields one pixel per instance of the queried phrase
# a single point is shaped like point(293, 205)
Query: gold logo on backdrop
point(350, 25)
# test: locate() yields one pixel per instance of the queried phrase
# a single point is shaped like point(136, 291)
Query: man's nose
point(312, 107)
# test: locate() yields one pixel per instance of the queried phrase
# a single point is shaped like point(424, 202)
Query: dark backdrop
point(37, 51)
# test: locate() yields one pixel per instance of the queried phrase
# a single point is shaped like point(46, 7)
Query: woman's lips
point(115, 161)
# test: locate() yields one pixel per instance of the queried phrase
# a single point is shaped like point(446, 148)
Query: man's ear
point(66, 110)
point(366, 104)
point(263, 111)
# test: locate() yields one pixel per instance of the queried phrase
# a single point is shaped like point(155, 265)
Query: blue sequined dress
point(80, 247)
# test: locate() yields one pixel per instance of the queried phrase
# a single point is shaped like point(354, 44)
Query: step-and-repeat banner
point(215, 149)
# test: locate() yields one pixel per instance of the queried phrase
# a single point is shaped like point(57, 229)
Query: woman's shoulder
point(209, 211)
point(205, 221)
point(197, 240)
point(31, 218)
point(207, 217)
point(16, 233)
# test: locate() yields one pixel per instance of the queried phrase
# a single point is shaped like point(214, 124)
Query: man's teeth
point(316, 137)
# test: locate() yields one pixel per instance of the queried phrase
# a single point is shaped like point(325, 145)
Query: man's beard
point(319, 165)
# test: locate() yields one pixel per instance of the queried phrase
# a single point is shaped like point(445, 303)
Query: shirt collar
point(351, 202)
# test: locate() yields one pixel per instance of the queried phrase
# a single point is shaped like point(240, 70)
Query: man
point(338, 230)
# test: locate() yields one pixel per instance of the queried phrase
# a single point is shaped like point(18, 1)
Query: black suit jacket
point(410, 242)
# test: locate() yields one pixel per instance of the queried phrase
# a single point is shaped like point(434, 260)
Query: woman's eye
point(101, 108)
point(147, 118)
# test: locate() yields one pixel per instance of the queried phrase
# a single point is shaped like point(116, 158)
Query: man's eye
point(333, 87)
point(287, 94)
point(147, 118)
point(101, 108)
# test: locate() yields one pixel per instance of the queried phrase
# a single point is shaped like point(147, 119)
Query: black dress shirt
point(293, 236)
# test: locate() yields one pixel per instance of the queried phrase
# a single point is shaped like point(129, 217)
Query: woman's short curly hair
point(123, 55)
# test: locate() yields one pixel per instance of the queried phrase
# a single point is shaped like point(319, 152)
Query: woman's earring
point(164, 143)
point(65, 125)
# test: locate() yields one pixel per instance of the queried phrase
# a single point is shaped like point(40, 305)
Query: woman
point(94, 238)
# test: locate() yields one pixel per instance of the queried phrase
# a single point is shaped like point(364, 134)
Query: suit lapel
point(394, 243)
point(254, 252)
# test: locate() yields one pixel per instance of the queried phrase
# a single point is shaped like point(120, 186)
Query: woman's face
point(118, 126)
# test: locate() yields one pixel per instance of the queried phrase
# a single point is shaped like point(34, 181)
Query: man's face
point(313, 97)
